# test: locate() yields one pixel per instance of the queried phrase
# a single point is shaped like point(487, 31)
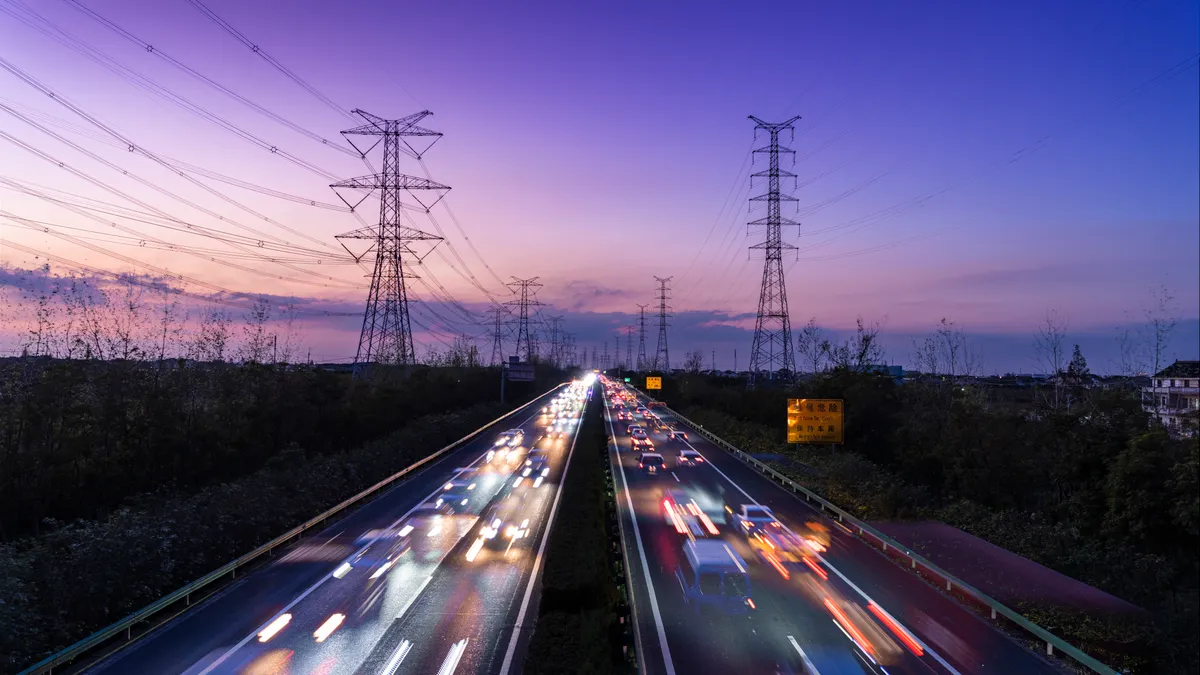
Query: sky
point(985, 162)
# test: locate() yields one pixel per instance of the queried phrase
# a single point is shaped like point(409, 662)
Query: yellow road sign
point(815, 420)
point(654, 383)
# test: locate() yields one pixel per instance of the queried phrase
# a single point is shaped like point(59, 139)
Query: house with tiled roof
point(1173, 397)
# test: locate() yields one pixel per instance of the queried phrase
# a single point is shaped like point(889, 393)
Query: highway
point(834, 606)
point(405, 584)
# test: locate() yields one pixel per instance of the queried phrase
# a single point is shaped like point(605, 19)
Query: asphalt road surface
point(398, 586)
point(846, 610)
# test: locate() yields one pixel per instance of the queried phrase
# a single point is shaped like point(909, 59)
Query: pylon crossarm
point(379, 181)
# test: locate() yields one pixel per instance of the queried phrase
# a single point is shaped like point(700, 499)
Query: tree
point(1077, 369)
point(1160, 323)
point(1048, 344)
point(694, 362)
point(859, 350)
point(813, 346)
point(257, 345)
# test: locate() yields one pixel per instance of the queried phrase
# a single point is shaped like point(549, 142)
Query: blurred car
point(690, 458)
point(652, 463)
point(505, 523)
point(685, 515)
point(640, 439)
point(452, 502)
point(459, 484)
point(512, 438)
point(629, 430)
point(676, 434)
point(539, 467)
point(713, 575)
point(752, 516)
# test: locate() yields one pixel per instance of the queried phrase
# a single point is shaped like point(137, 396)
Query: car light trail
point(331, 624)
point(382, 569)
point(274, 627)
point(474, 550)
point(453, 657)
point(394, 663)
point(538, 483)
point(774, 560)
point(675, 519)
point(815, 568)
point(896, 628)
point(842, 621)
point(342, 570)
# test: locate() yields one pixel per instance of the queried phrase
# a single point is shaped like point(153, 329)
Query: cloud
point(589, 295)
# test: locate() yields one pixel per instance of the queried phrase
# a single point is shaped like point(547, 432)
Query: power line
point(151, 49)
point(228, 28)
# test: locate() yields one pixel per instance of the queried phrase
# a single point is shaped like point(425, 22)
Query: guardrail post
point(128, 631)
point(993, 612)
point(948, 585)
point(187, 599)
point(1049, 649)
point(914, 566)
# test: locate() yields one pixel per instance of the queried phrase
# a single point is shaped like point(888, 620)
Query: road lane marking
point(937, 657)
point(537, 562)
point(397, 658)
point(450, 664)
point(221, 659)
point(658, 624)
point(803, 657)
point(675, 477)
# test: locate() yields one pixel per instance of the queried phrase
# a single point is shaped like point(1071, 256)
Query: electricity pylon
point(771, 352)
point(662, 358)
point(525, 300)
point(386, 335)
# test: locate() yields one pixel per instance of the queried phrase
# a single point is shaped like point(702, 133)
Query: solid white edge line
point(658, 624)
point(937, 657)
point(537, 562)
point(221, 659)
point(803, 657)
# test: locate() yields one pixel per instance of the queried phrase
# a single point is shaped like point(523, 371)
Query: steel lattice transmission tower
point(662, 359)
point(772, 348)
point(525, 332)
point(386, 335)
point(629, 347)
point(641, 359)
point(498, 314)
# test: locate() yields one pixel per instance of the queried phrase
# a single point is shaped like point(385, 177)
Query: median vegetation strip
point(579, 625)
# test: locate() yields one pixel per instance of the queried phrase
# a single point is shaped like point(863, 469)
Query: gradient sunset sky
point(985, 161)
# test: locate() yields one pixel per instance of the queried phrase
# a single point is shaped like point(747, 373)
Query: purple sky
point(985, 162)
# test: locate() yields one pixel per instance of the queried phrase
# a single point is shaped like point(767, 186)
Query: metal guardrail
point(1051, 640)
point(101, 637)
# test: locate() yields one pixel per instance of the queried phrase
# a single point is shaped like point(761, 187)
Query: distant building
point(1173, 397)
